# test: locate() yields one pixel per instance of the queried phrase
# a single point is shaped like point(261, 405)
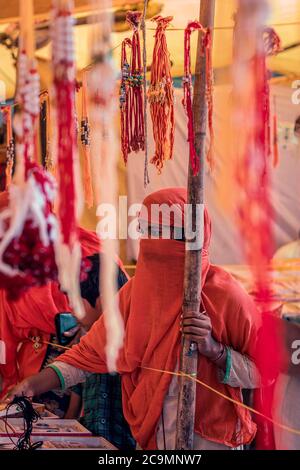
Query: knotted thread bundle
point(132, 92)
point(188, 91)
point(161, 96)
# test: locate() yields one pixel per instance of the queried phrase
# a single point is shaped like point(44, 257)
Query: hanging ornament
point(85, 142)
point(28, 228)
point(161, 96)
point(10, 145)
point(143, 27)
point(188, 90)
point(104, 155)
point(45, 122)
point(124, 100)
point(68, 253)
point(252, 148)
point(132, 92)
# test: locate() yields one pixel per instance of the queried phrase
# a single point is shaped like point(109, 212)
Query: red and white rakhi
point(188, 90)
point(70, 204)
point(161, 96)
point(132, 91)
point(28, 227)
point(104, 157)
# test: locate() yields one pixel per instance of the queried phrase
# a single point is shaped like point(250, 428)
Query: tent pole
point(192, 274)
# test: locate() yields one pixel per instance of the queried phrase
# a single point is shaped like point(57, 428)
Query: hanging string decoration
point(252, 145)
point(28, 228)
point(124, 99)
point(272, 46)
point(132, 92)
point(161, 96)
point(68, 253)
point(85, 142)
point(188, 90)
point(104, 155)
point(45, 122)
point(143, 27)
point(30, 416)
point(10, 145)
point(28, 97)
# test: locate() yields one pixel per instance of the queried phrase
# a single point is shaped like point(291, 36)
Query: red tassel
point(161, 96)
point(132, 114)
point(188, 87)
point(207, 45)
point(85, 140)
point(124, 97)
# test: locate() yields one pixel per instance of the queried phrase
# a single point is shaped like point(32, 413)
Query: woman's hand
point(198, 328)
point(23, 388)
point(35, 385)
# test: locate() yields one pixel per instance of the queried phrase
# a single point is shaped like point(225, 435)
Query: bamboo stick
point(192, 276)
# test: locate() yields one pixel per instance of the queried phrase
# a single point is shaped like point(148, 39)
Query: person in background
point(99, 398)
point(27, 326)
point(225, 331)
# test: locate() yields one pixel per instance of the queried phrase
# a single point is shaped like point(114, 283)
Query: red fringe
point(161, 96)
point(188, 86)
point(132, 92)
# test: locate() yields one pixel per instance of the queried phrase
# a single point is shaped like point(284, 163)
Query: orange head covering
point(151, 306)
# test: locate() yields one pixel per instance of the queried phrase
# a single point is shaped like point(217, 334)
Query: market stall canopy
point(285, 17)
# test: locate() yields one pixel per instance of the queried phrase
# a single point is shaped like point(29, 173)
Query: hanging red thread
point(207, 45)
point(252, 146)
point(85, 141)
point(188, 90)
point(161, 96)
point(124, 99)
point(132, 123)
point(64, 86)
point(10, 146)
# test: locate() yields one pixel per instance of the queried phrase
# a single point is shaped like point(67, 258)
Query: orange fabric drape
point(151, 307)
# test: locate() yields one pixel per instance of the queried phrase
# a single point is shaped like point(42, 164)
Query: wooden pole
point(192, 275)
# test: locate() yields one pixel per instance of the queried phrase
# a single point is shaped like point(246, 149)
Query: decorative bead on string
point(124, 100)
point(85, 132)
point(85, 142)
point(10, 144)
point(161, 96)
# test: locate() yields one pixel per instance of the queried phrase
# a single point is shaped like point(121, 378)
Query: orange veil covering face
point(33, 315)
point(151, 307)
